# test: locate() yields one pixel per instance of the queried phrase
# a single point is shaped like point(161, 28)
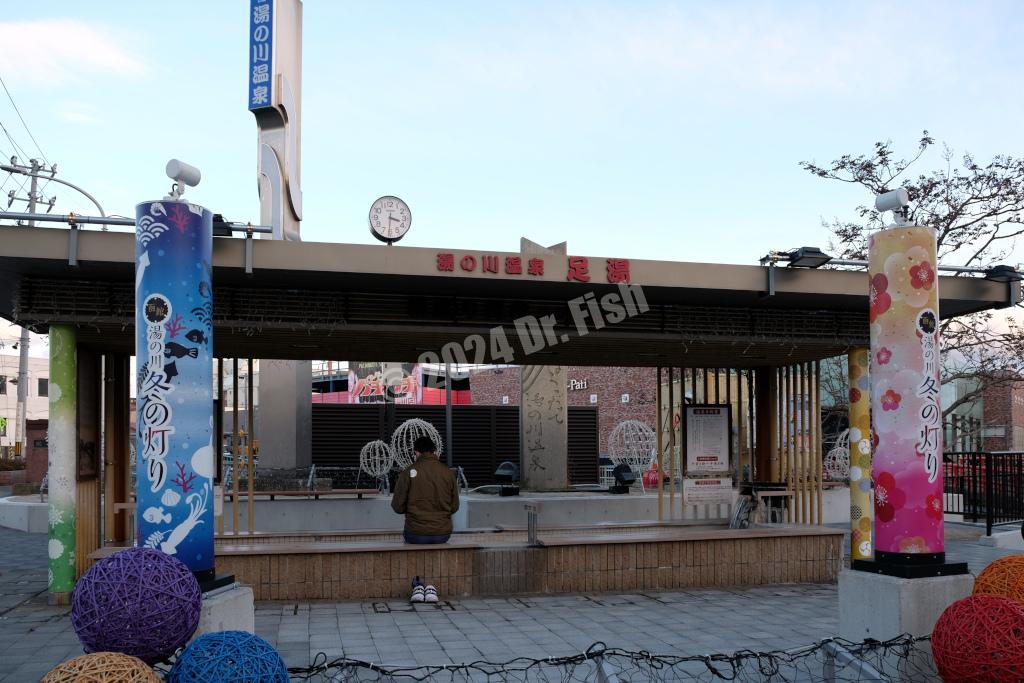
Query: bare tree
point(977, 211)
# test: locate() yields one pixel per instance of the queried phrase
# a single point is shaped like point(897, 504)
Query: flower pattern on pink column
point(878, 297)
point(906, 415)
point(890, 400)
point(922, 275)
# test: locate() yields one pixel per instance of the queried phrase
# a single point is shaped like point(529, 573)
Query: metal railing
point(985, 486)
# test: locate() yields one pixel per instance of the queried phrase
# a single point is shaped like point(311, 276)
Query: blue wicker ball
point(140, 602)
point(228, 657)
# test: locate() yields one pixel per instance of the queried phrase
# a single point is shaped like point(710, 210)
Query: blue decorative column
point(174, 342)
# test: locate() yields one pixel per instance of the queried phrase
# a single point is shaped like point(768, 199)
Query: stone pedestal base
point(883, 607)
point(230, 608)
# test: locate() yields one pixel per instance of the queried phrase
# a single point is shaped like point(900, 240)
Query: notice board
point(708, 439)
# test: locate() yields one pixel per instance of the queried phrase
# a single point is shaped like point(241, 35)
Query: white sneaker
point(419, 594)
point(430, 594)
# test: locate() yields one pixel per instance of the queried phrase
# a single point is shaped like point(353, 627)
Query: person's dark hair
point(424, 444)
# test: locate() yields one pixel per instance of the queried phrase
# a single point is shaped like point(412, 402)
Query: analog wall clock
point(390, 219)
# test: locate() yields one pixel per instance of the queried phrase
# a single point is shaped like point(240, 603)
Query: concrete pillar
point(543, 428)
point(284, 421)
point(62, 462)
point(767, 465)
point(861, 502)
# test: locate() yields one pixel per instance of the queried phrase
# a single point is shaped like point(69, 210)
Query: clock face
point(390, 219)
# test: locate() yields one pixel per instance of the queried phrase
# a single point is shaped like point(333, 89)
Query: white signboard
point(707, 438)
point(702, 491)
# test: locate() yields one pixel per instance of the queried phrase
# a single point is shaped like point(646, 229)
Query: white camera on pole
point(182, 174)
point(896, 201)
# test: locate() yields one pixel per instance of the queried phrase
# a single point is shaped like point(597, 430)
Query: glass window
point(3, 384)
point(44, 386)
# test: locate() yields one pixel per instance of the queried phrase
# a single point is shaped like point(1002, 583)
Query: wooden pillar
point(87, 457)
point(816, 441)
point(116, 428)
point(672, 443)
point(766, 455)
point(251, 465)
point(235, 450)
point(661, 452)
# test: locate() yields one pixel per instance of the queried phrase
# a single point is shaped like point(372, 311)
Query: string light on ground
point(376, 458)
point(405, 436)
point(633, 443)
point(905, 659)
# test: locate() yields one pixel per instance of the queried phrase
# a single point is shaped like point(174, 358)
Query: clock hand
point(391, 218)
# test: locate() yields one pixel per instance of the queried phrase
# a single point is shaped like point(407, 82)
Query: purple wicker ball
point(138, 601)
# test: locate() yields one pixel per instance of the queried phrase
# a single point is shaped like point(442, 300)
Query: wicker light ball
point(405, 436)
point(633, 443)
point(138, 601)
point(102, 667)
point(836, 465)
point(980, 639)
point(376, 458)
point(228, 657)
point(1003, 577)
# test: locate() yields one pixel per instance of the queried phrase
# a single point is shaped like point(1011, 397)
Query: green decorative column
point(62, 451)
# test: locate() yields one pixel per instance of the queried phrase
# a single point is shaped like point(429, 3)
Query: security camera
point(183, 173)
point(893, 200)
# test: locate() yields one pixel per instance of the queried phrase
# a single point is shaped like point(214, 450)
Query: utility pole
point(33, 171)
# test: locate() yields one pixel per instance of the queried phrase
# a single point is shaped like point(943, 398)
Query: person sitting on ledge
point(427, 493)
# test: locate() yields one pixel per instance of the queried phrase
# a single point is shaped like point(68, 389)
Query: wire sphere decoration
point(405, 436)
point(633, 443)
point(102, 667)
point(139, 602)
point(1003, 577)
point(980, 639)
point(229, 657)
point(836, 466)
point(376, 458)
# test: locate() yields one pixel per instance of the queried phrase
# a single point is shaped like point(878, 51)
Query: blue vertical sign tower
point(175, 442)
point(261, 54)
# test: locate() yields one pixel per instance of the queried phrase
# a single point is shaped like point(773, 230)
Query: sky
point(642, 129)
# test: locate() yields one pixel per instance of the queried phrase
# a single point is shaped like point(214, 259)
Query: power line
point(18, 112)
point(17, 147)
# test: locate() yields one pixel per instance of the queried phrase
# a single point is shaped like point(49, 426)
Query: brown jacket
point(428, 495)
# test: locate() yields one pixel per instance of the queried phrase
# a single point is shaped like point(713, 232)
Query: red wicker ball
point(1003, 577)
point(980, 639)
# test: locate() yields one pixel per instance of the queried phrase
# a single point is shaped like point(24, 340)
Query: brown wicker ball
point(1003, 577)
point(102, 667)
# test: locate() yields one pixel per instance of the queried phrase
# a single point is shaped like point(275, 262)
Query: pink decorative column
point(905, 411)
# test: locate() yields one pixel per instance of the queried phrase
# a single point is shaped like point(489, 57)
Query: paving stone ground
point(34, 636)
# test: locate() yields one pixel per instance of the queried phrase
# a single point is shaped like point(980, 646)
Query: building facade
point(618, 393)
point(37, 402)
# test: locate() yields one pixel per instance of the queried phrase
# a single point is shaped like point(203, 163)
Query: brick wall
point(490, 386)
point(1003, 406)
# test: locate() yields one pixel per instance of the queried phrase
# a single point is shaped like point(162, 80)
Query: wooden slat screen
point(484, 436)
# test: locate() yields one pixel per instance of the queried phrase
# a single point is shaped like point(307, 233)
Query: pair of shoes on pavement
point(421, 593)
